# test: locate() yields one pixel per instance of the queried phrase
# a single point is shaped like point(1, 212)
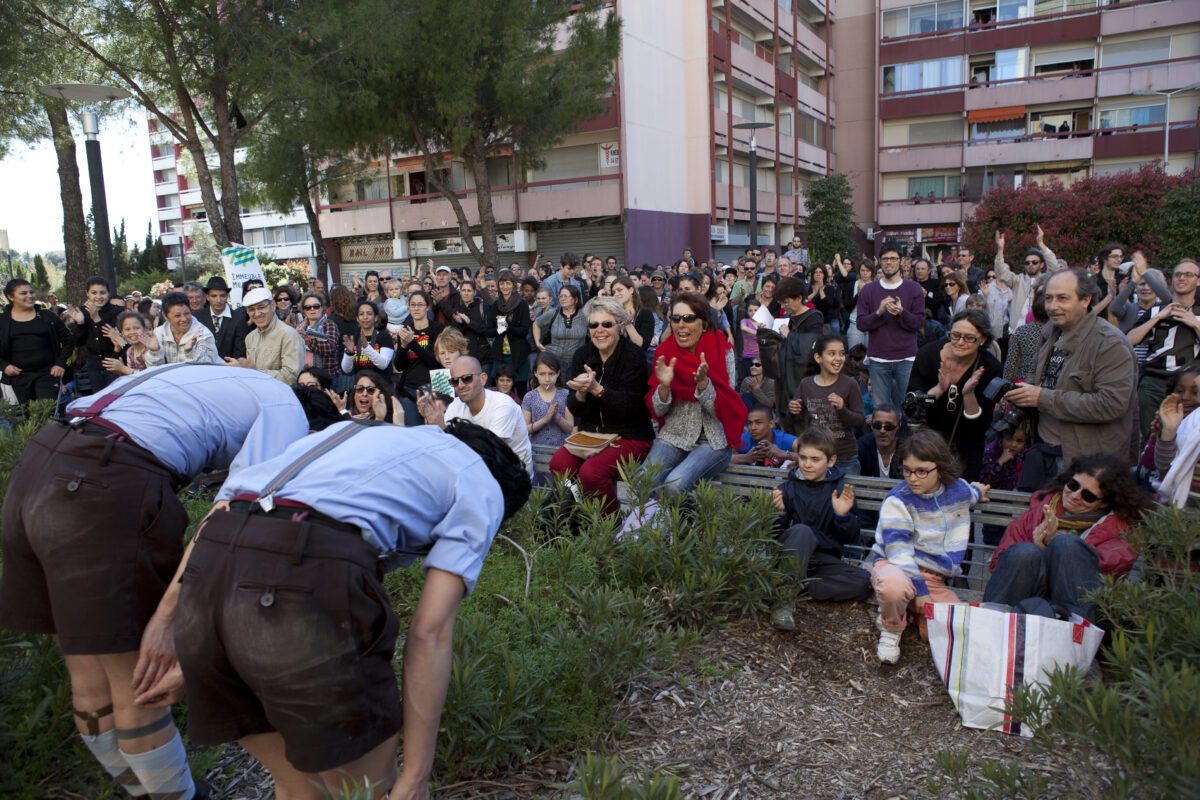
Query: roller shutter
point(603, 239)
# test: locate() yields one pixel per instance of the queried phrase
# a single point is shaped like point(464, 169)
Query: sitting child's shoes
point(889, 647)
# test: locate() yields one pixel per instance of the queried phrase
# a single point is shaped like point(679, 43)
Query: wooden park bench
point(1001, 509)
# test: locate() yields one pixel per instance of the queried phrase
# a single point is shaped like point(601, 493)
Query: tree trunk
point(314, 227)
point(464, 226)
point(231, 210)
point(74, 226)
point(483, 199)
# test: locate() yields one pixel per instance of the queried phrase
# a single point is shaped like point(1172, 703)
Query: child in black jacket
point(817, 519)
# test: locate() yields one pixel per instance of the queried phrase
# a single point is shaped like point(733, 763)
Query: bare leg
point(377, 766)
point(290, 783)
point(118, 667)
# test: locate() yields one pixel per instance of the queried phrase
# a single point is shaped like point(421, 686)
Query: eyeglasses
point(1074, 486)
point(920, 472)
point(465, 380)
point(688, 318)
point(884, 426)
point(282, 298)
point(365, 390)
point(969, 338)
point(952, 398)
point(1033, 261)
point(311, 307)
point(606, 324)
point(756, 363)
point(658, 280)
point(1187, 275)
point(889, 259)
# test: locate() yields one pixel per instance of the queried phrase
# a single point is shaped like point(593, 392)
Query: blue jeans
point(683, 469)
point(889, 381)
point(1062, 574)
point(851, 466)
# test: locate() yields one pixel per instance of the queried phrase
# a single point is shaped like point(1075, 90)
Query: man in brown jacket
point(1085, 387)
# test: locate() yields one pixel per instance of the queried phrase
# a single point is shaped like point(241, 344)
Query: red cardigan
point(1107, 537)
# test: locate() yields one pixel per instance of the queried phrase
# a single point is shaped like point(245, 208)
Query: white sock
point(164, 771)
point(104, 749)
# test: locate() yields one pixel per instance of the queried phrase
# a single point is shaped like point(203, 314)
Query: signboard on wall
point(610, 155)
point(367, 249)
point(940, 234)
point(518, 241)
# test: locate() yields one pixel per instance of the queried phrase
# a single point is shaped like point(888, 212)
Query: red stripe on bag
point(1077, 633)
point(928, 610)
point(1009, 668)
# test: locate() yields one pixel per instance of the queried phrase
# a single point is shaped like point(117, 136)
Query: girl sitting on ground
point(923, 532)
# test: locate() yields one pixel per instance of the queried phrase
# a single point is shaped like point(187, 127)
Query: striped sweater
point(925, 531)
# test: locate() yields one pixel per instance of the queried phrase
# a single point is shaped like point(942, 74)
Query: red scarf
point(729, 408)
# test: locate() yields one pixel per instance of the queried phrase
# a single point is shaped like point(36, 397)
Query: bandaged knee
point(104, 749)
point(164, 771)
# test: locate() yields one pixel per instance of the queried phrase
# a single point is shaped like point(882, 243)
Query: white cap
point(256, 296)
point(442, 268)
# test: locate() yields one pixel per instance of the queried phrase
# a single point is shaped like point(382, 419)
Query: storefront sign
point(610, 155)
point(367, 250)
point(940, 234)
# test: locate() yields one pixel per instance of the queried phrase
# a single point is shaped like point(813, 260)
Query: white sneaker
point(888, 650)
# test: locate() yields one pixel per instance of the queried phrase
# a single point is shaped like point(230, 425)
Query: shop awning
point(996, 114)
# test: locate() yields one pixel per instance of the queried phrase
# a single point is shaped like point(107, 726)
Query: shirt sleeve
point(464, 535)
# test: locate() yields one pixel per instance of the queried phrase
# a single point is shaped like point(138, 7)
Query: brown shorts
point(93, 533)
point(285, 626)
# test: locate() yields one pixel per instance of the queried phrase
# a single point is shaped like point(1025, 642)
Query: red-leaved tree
point(1078, 219)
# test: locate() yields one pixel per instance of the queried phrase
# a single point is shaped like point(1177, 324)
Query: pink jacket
point(1107, 537)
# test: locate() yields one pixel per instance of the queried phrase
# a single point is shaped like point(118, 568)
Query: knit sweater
point(925, 531)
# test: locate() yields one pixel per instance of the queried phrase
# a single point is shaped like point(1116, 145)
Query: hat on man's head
point(256, 296)
point(216, 283)
point(658, 276)
point(442, 268)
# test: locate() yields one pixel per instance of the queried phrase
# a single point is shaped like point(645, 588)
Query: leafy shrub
point(607, 779)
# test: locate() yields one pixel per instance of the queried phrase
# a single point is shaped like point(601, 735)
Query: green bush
point(1143, 717)
point(607, 779)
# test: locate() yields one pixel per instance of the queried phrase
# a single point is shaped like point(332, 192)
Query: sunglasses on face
point(920, 472)
point(1074, 486)
point(607, 324)
point(311, 307)
point(283, 299)
point(688, 318)
point(365, 390)
point(465, 380)
point(756, 363)
point(1033, 261)
point(884, 426)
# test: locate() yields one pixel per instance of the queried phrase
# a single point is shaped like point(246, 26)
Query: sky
point(30, 208)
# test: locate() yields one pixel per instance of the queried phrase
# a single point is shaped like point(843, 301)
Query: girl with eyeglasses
point(832, 401)
point(701, 415)
point(951, 373)
point(369, 397)
point(923, 532)
point(1074, 532)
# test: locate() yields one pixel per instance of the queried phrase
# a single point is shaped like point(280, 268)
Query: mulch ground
point(757, 713)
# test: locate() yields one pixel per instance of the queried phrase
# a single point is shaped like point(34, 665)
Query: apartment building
point(663, 168)
point(181, 211)
point(975, 93)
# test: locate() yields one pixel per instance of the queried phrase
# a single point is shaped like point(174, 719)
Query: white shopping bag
point(984, 654)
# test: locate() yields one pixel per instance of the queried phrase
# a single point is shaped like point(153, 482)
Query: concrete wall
point(854, 91)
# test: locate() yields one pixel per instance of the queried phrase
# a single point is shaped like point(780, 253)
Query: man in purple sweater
point(892, 310)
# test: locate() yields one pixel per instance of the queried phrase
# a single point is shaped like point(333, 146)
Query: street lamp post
point(752, 127)
point(93, 93)
point(1169, 93)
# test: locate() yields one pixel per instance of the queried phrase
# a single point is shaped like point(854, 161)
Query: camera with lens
point(1012, 418)
point(915, 404)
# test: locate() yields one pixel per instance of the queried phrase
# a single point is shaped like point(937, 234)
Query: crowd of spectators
point(1077, 383)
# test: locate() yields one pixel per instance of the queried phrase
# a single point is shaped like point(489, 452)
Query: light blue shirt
point(205, 415)
point(417, 492)
point(554, 284)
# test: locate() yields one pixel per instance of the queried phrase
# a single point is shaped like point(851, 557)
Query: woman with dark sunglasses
point(321, 339)
point(1074, 532)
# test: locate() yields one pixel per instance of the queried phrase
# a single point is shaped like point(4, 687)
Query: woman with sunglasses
point(370, 398)
point(320, 335)
point(954, 287)
point(608, 388)
point(701, 415)
point(951, 373)
point(923, 532)
point(1074, 532)
point(756, 388)
point(286, 297)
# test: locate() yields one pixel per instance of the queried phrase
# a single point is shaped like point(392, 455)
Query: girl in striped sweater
point(924, 529)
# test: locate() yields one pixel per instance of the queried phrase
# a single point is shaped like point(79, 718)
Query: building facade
point(975, 93)
point(181, 212)
point(663, 168)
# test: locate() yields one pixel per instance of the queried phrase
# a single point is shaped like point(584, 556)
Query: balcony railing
point(1041, 136)
point(1057, 76)
point(527, 186)
point(1098, 7)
